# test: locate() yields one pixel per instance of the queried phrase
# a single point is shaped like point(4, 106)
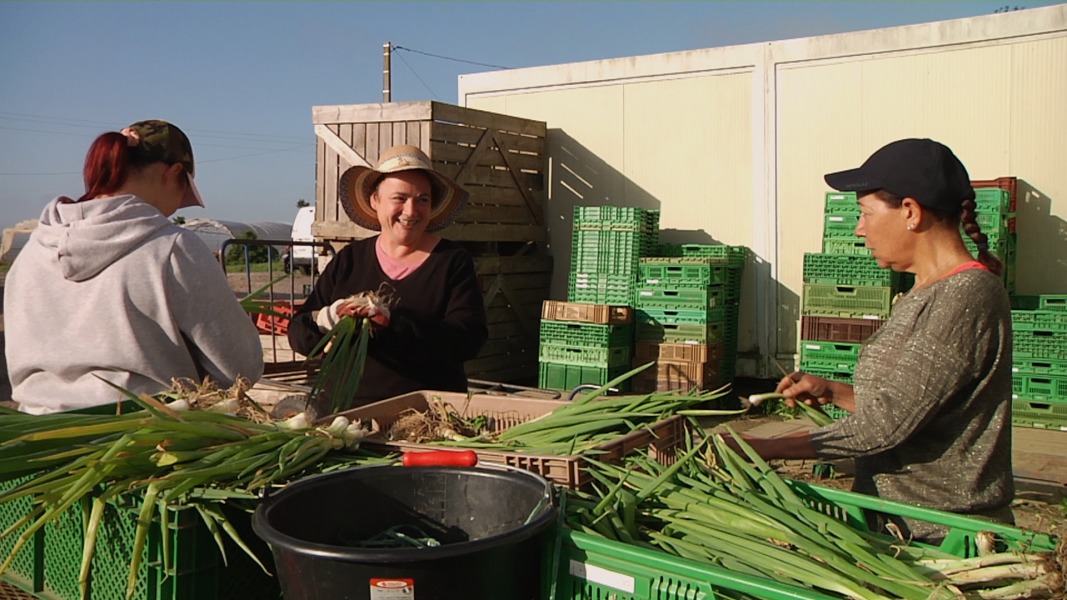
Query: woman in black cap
point(931, 399)
point(436, 320)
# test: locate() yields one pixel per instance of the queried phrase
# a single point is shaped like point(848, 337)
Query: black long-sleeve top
point(437, 322)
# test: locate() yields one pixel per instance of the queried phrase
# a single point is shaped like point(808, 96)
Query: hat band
point(403, 161)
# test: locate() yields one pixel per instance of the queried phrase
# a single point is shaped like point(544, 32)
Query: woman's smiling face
point(403, 201)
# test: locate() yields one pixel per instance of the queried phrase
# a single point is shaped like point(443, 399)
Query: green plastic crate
point(1045, 302)
point(853, 245)
point(1040, 366)
point(697, 298)
point(567, 376)
point(1039, 414)
point(840, 225)
point(1032, 386)
point(841, 203)
point(733, 256)
point(619, 218)
point(593, 568)
point(818, 371)
point(683, 271)
point(597, 288)
point(963, 531)
point(1040, 343)
point(994, 200)
point(681, 333)
point(584, 567)
point(830, 356)
point(597, 357)
point(617, 252)
point(585, 335)
point(847, 301)
point(847, 269)
point(49, 566)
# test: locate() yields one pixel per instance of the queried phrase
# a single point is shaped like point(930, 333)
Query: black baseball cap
point(922, 169)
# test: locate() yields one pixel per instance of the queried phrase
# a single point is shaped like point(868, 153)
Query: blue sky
point(240, 78)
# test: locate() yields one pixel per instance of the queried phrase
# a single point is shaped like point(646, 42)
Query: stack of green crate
point(608, 244)
point(574, 353)
point(996, 218)
point(686, 313)
point(1039, 370)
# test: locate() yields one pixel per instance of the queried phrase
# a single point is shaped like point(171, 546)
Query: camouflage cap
point(162, 141)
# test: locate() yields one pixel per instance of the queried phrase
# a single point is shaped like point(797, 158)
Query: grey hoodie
point(111, 289)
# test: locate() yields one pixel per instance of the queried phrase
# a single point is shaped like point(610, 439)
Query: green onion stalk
point(344, 349)
point(724, 508)
point(579, 426)
point(166, 459)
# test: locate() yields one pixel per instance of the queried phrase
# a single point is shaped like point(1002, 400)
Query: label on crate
point(602, 576)
point(392, 589)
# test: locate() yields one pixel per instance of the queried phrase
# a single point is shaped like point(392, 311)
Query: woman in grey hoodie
point(109, 289)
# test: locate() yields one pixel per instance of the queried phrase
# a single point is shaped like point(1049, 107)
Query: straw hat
point(357, 184)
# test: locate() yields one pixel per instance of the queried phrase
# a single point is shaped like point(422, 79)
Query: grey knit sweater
point(933, 388)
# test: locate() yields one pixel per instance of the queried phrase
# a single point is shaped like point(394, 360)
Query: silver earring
point(911, 226)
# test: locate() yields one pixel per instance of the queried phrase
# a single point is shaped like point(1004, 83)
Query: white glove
point(327, 318)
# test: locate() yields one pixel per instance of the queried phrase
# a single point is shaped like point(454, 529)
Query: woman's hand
point(809, 389)
point(378, 319)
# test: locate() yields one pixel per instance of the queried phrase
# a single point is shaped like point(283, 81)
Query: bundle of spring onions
point(722, 508)
point(344, 349)
point(592, 419)
point(166, 457)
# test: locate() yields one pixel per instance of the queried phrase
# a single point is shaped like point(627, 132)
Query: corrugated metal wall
point(731, 143)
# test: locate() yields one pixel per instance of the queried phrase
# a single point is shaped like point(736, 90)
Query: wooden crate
point(499, 159)
point(514, 288)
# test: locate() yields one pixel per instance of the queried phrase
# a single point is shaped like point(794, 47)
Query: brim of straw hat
point(357, 184)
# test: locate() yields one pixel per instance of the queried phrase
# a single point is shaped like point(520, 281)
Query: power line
point(413, 72)
point(469, 62)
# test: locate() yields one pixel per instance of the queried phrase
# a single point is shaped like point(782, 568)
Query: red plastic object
point(277, 325)
point(440, 458)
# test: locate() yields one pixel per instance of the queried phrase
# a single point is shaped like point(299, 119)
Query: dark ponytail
point(968, 220)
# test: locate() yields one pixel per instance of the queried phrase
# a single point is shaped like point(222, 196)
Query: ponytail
point(108, 165)
point(968, 220)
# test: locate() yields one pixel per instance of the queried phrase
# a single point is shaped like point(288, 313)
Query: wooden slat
point(513, 264)
point(452, 134)
point(496, 196)
point(385, 137)
point(516, 215)
point(481, 118)
point(469, 232)
point(341, 230)
point(400, 133)
point(414, 133)
point(373, 145)
point(372, 113)
point(454, 153)
point(492, 177)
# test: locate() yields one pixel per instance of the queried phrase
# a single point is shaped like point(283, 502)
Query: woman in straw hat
point(930, 406)
point(109, 290)
point(436, 315)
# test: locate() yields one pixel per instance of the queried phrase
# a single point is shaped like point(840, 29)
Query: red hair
point(108, 165)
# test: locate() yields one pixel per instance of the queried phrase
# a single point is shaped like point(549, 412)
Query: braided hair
point(969, 222)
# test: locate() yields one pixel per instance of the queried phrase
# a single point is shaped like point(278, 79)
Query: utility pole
point(387, 90)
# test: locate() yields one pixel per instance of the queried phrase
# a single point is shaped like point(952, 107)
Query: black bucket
point(490, 525)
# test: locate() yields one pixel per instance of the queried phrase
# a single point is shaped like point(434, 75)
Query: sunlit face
point(885, 228)
point(403, 201)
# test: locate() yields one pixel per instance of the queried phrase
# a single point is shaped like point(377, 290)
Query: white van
point(301, 256)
